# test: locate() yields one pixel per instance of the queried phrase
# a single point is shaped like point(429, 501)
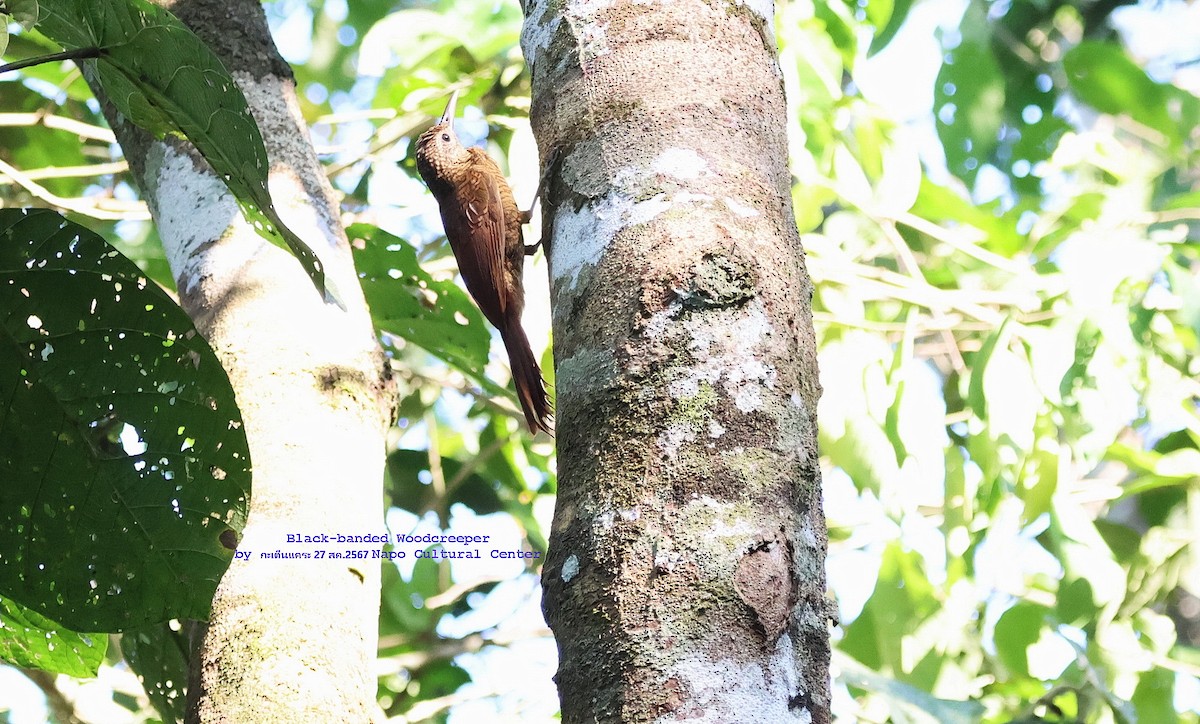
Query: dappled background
point(1000, 208)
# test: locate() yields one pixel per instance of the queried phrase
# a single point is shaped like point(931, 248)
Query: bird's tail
point(527, 376)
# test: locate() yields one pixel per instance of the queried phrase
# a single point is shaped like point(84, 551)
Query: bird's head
point(438, 149)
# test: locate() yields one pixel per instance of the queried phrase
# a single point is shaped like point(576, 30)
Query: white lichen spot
point(723, 520)
point(536, 35)
point(751, 692)
point(725, 353)
point(684, 388)
point(591, 36)
point(687, 197)
point(644, 211)
point(604, 521)
point(666, 559)
point(680, 163)
point(739, 208)
point(715, 429)
point(193, 208)
point(808, 535)
point(581, 237)
point(570, 568)
point(674, 437)
point(630, 515)
point(748, 399)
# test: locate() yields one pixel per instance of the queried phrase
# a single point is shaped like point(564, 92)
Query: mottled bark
point(288, 640)
point(685, 578)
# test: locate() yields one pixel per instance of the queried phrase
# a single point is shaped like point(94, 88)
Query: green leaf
point(905, 696)
point(969, 98)
point(122, 452)
point(409, 493)
point(1017, 629)
point(1075, 604)
point(1104, 77)
point(163, 78)
point(24, 12)
point(33, 641)
point(1154, 698)
point(895, 20)
point(903, 598)
point(897, 378)
point(429, 576)
point(407, 302)
point(158, 654)
point(840, 26)
point(511, 468)
point(399, 612)
point(1039, 493)
point(975, 389)
point(437, 678)
point(938, 203)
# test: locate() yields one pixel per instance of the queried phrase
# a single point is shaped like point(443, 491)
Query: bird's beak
point(448, 116)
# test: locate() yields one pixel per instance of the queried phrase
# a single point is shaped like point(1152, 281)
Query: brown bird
point(483, 225)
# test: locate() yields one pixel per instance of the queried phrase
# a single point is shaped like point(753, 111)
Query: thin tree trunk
point(685, 578)
point(288, 640)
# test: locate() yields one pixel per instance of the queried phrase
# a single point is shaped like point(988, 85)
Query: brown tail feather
point(527, 376)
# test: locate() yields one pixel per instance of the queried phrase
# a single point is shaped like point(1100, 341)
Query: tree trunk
point(685, 578)
point(288, 640)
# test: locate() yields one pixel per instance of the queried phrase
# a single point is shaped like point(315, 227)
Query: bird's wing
point(476, 233)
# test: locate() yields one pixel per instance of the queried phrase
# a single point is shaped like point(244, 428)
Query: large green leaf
point(124, 462)
point(162, 77)
point(35, 642)
point(1154, 697)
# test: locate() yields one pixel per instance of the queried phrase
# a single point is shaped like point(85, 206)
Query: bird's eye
point(445, 136)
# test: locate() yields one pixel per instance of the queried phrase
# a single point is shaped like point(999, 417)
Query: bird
point(483, 225)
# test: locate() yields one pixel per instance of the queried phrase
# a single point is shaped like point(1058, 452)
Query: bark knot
point(763, 582)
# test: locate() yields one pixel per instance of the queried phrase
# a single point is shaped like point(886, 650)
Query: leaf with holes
point(163, 78)
point(158, 654)
point(125, 467)
point(407, 302)
point(36, 642)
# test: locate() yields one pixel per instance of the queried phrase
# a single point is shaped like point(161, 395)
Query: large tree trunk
point(686, 572)
point(288, 640)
